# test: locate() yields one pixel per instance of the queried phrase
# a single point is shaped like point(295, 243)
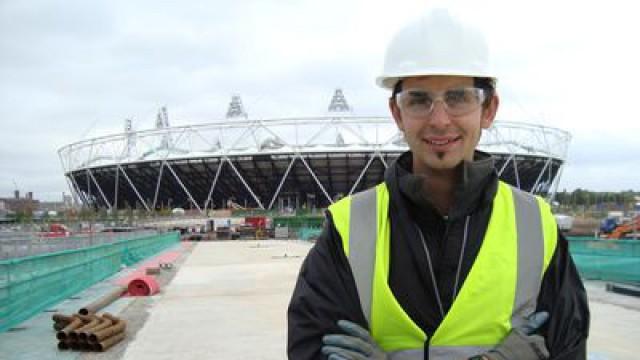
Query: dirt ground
point(584, 226)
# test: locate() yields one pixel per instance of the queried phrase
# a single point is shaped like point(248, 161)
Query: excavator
point(627, 229)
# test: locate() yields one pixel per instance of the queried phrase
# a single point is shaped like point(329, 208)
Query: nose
point(439, 117)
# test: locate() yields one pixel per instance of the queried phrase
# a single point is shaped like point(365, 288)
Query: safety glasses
point(458, 101)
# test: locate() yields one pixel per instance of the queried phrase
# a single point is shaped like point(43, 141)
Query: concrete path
point(228, 301)
point(615, 324)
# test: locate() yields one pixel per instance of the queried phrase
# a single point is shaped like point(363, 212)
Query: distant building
point(57, 206)
point(20, 205)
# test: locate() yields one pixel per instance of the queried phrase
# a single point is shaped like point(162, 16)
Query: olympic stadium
point(310, 162)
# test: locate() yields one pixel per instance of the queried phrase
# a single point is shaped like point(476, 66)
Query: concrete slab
point(228, 301)
point(615, 324)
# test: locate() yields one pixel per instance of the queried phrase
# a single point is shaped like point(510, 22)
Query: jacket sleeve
point(325, 292)
point(562, 294)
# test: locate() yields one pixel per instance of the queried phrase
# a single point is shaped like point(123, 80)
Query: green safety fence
point(30, 284)
point(309, 233)
point(299, 221)
point(606, 259)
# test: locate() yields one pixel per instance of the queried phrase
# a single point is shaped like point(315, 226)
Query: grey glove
point(522, 343)
point(357, 344)
point(534, 322)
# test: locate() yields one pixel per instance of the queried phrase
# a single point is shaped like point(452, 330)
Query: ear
point(395, 112)
point(489, 113)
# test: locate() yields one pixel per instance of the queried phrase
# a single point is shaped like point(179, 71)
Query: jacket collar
point(477, 184)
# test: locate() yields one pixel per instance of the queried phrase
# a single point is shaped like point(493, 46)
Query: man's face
point(440, 141)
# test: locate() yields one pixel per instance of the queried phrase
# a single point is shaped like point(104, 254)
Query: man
point(442, 260)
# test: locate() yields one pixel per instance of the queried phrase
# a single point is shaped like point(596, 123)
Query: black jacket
point(325, 291)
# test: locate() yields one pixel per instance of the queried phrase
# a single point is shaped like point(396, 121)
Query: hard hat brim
point(390, 81)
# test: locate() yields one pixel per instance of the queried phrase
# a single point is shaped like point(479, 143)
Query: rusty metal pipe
point(60, 321)
point(73, 334)
point(103, 301)
point(105, 333)
point(98, 336)
point(114, 319)
point(104, 323)
point(57, 317)
point(64, 333)
point(62, 345)
point(109, 342)
point(84, 318)
point(74, 345)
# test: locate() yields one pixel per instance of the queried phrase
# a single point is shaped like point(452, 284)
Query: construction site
point(206, 227)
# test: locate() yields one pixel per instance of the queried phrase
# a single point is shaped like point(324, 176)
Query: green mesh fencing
point(29, 285)
point(604, 259)
point(299, 221)
point(309, 233)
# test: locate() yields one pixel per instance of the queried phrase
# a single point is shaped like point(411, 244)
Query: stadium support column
point(155, 196)
point(504, 166)
point(213, 185)
point(184, 188)
point(546, 164)
point(72, 189)
point(556, 182)
point(75, 193)
point(284, 177)
point(134, 188)
point(79, 192)
point(364, 170)
point(316, 179)
point(89, 200)
point(383, 160)
point(515, 171)
point(99, 189)
point(245, 183)
point(115, 191)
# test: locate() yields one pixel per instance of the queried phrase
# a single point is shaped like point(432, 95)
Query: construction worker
point(442, 260)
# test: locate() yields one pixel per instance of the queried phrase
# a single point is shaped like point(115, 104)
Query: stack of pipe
point(88, 332)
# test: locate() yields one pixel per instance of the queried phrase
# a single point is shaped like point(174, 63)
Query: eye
point(418, 98)
point(458, 96)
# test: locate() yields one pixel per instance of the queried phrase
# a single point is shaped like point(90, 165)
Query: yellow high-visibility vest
point(499, 292)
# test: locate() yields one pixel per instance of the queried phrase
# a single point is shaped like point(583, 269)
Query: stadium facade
point(277, 163)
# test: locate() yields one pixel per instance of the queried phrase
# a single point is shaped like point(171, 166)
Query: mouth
point(442, 142)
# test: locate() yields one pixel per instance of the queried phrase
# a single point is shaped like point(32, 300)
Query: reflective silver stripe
point(455, 352)
point(407, 355)
point(530, 255)
point(362, 245)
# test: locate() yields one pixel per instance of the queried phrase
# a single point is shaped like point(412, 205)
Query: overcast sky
point(71, 70)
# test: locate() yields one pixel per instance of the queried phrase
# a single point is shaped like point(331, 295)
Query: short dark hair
point(489, 86)
point(486, 83)
point(396, 89)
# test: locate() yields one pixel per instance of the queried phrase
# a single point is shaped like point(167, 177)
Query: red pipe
point(144, 285)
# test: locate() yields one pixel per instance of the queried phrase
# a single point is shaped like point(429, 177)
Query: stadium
point(283, 163)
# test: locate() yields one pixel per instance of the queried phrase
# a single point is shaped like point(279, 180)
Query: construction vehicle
point(612, 228)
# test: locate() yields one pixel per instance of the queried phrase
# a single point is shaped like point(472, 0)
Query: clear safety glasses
point(458, 101)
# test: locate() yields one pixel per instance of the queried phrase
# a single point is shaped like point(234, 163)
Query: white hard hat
point(438, 43)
